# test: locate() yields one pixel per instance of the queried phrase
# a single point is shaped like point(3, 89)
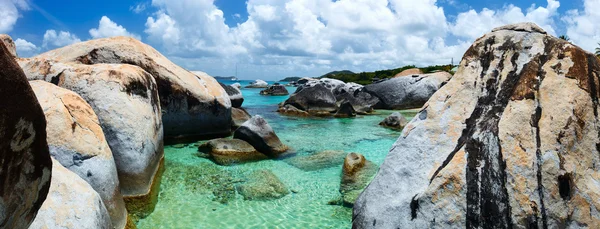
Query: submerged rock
point(409, 72)
point(510, 141)
point(292, 110)
point(72, 204)
point(239, 116)
point(125, 99)
point(395, 121)
point(231, 151)
point(275, 90)
point(77, 141)
point(25, 165)
point(193, 104)
point(259, 134)
point(321, 160)
point(262, 185)
point(345, 111)
point(235, 95)
point(357, 172)
point(258, 84)
point(407, 92)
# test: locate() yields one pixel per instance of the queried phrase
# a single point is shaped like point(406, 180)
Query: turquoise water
point(196, 193)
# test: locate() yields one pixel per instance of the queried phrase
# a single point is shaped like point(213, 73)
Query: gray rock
point(25, 165)
point(345, 111)
point(510, 141)
point(275, 90)
point(258, 84)
point(362, 101)
point(231, 151)
point(262, 185)
point(395, 121)
point(317, 161)
point(407, 92)
point(235, 95)
point(316, 100)
point(259, 134)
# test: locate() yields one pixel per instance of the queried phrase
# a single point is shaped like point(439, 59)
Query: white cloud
point(9, 13)
point(138, 8)
point(53, 39)
point(108, 28)
point(583, 27)
point(26, 48)
point(472, 24)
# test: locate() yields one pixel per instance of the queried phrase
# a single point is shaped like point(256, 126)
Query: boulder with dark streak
point(25, 164)
point(511, 141)
point(407, 92)
point(235, 95)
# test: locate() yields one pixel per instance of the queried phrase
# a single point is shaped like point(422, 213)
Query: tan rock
point(125, 99)
point(357, 172)
point(511, 140)
point(72, 203)
point(239, 116)
point(231, 151)
point(409, 72)
point(193, 104)
point(77, 141)
point(25, 165)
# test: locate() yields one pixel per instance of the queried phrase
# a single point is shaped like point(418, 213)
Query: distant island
point(290, 79)
point(365, 78)
point(226, 78)
point(336, 73)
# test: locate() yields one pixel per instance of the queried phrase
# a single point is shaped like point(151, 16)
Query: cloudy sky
point(272, 39)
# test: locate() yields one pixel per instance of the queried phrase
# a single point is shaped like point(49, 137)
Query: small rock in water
point(395, 121)
point(226, 151)
point(321, 160)
point(357, 172)
point(262, 185)
point(275, 90)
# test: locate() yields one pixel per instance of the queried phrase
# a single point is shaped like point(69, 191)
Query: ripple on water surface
point(196, 193)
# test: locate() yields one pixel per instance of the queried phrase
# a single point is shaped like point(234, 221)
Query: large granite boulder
point(193, 104)
point(409, 72)
point(275, 90)
point(235, 95)
point(316, 100)
point(258, 84)
point(262, 185)
point(226, 151)
point(394, 121)
point(77, 141)
point(357, 172)
point(407, 92)
point(25, 165)
point(510, 141)
point(9, 44)
point(71, 204)
point(125, 99)
point(259, 134)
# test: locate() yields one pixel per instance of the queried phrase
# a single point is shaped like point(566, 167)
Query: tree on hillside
point(565, 37)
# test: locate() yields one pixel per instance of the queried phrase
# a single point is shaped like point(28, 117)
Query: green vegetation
point(365, 78)
point(565, 37)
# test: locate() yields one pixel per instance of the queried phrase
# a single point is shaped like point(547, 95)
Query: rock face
point(316, 100)
point(237, 85)
point(292, 110)
point(275, 90)
point(231, 151)
point(318, 161)
point(395, 121)
point(9, 44)
point(362, 102)
point(235, 95)
point(125, 99)
point(25, 165)
point(193, 104)
point(77, 141)
point(258, 84)
point(345, 111)
point(510, 141)
point(262, 185)
point(407, 92)
point(239, 116)
point(409, 72)
point(259, 134)
point(356, 175)
point(72, 203)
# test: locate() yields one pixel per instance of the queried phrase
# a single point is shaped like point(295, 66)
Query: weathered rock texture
point(9, 44)
point(511, 141)
point(239, 116)
point(125, 99)
point(275, 90)
point(193, 104)
point(72, 204)
point(231, 151)
point(407, 92)
point(25, 165)
point(262, 185)
point(395, 121)
point(77, 141)
point(235, 95)
point(259, 134)
point(316, 100)
point(345, 111)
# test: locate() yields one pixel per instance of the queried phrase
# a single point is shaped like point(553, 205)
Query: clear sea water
point(197, 193)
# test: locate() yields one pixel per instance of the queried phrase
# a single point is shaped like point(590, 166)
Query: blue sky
point(272, 39)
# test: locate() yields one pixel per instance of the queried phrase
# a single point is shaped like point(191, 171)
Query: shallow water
point(196, 193)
